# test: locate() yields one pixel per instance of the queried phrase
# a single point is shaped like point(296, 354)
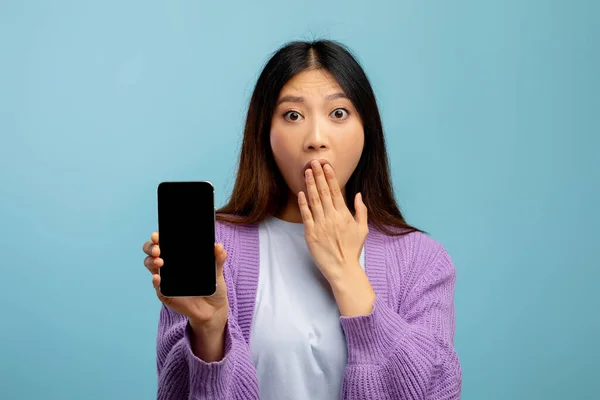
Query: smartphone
point(186, 237)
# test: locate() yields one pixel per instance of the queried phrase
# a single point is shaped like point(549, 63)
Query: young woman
point(324, 291)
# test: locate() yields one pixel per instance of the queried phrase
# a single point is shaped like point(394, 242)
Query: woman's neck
point(291, 211)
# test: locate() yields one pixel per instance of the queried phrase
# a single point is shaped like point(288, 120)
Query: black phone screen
point(186, 237)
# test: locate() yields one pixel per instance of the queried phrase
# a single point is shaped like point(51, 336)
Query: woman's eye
point(340, 113)
point(292, 116)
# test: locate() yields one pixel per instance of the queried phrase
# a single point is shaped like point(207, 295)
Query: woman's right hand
point(204, 313)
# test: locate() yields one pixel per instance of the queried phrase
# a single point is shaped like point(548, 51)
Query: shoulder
point(418, 246)
point(416, 253)
point(226, 231)
point(241, 244)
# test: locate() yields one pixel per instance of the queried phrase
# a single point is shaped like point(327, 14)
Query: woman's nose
point(316, 137)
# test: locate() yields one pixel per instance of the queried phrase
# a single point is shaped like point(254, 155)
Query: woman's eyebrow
point(336, 96)
point(290, 99)
point(299, 99)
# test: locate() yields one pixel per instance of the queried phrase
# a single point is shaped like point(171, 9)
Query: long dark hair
point(260, 190)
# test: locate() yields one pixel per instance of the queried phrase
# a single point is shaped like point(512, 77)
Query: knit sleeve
point(182, 375)
point(407, 354)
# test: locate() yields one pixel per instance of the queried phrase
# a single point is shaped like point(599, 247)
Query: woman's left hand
point(335, 238)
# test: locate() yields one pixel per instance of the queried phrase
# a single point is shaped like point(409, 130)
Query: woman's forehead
point(312, 82)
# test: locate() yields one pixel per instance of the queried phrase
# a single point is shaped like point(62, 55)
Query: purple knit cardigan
point(402, 350)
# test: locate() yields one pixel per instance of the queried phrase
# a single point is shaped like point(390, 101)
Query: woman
point(324, 291)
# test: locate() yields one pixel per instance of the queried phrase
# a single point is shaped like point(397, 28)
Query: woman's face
point(314, 120)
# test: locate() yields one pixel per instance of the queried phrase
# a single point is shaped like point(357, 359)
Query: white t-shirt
point(296, 340)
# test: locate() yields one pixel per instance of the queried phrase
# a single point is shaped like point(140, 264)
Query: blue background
point(491, 115)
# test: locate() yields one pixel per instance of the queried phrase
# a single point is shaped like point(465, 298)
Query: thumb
point(361, 210)
point(220, 256)
point(156, 283)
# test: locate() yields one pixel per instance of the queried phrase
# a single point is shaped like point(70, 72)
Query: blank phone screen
point(186, 237)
